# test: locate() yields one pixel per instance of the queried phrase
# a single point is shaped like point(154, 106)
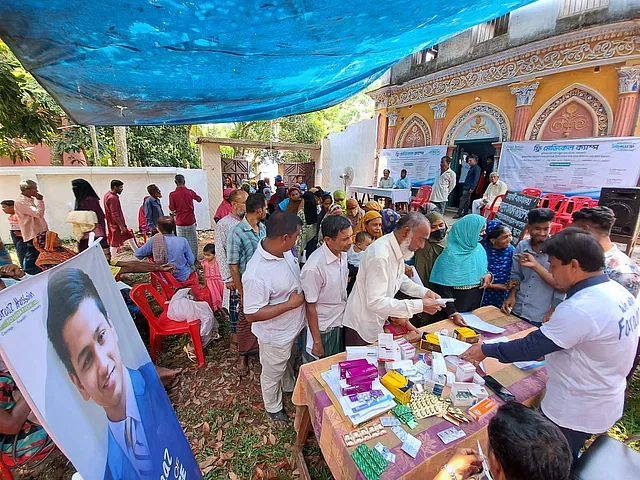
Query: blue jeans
point(31, 255)
point(20, 246)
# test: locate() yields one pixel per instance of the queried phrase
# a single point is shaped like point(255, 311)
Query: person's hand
point(230, 285)
point(527, 260)
point(167, 267)
point(38, 196)
point(296, 299)
point(408, 271)
point(458, 320)
point(513, 283)
point(413, 336)
point(498, 286)
point(465, 462)
point(508, 304)
point(317, 350)
point(547, 316)
point(486, 280)
point(12, 271)
point(474, 354)
point(432, 295)
point(430, 306)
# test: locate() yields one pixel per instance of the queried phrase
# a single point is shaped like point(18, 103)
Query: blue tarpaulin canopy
point(153, 62)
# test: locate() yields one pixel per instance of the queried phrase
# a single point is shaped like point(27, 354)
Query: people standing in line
point(496, 188)
point(87, 200)
point(403, 181)
point(340, 197)
point(381, 276)
point(309, 216)
point(324, 282)
point(589, 343)
point(426, 256)
point(444, 185)
point(241, 245)
point(532, 295)
point(30, 209)
point(354, 213)
point(117, 231)
point(153, 208)
point(361, 242)
point(275, 308)
point(224, 208)
point(8, 207)
point(181, 206)
point(469, 186)
point(371, 223)
point(386, 181)
point(238, 200)
point(497, 244)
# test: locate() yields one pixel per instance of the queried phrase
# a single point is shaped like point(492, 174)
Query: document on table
point(477, 323)
point(451, 346)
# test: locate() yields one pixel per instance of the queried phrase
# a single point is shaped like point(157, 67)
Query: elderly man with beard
point(381, 276)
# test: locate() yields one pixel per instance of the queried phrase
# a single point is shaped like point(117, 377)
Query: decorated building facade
point(555, 69)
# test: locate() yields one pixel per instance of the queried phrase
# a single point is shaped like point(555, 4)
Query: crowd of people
point(303, 273)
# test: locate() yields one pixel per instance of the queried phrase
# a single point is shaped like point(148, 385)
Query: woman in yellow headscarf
point(371, 223)
point(340, 198)
point(372, 205)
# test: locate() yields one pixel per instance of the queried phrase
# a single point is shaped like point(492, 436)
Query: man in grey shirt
point(532, 296)
point(386, 181)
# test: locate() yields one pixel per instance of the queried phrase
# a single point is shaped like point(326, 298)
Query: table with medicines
point(341, 433)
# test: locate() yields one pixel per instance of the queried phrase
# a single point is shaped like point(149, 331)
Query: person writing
point(589, 343)
point(381, 275)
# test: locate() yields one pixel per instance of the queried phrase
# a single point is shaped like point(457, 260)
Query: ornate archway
point(415, 132)
point(575, 112)
point(478, 122)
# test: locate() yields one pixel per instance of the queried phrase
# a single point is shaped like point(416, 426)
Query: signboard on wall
point(572, 167)
point(513, 213)
point(422, 163)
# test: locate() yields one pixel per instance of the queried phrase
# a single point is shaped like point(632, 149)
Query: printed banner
point(572, 167)
point(74, 352)
point(422, 163)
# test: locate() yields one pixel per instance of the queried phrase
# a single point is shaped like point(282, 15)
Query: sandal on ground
point(280, 417)
point(188, 349)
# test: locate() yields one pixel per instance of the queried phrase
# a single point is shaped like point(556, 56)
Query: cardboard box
point(430, 342)
point(465, 334)
point(398, 385)
point(464, 372)
point(388, 350)
point(481, 408)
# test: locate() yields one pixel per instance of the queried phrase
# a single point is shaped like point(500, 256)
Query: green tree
point(164, 146)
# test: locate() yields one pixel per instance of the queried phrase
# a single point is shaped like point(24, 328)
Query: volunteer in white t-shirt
point(274, 305)
point(589, 342)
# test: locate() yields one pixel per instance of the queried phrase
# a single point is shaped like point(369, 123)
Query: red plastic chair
point(489, 211)
point(573, 204)
point(167, 285)
point(162, 326)
point(593, 203)
point(423, 196)
point(553, 201)
point(533, 192)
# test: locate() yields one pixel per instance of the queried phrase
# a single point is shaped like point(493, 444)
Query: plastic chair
point(162, 326)
point(572, 204)
point(167, 285)
point(533, 192)
point(489, 211)
point(608, 458)
point(553, 201)
point(423, 196)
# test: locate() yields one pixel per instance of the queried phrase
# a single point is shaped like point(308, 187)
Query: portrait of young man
point(144, 435)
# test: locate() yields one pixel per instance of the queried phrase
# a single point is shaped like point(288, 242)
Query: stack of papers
point(332, 377)
point(477, 323)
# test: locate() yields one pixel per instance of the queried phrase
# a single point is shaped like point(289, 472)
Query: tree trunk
point(95, 160)
point(122, 154)
point(55, 158)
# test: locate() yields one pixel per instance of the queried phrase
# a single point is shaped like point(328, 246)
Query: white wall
point(55, 185)
point(354, 147)
point(533, 20)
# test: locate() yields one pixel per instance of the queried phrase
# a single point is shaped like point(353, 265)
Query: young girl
point(213, 278)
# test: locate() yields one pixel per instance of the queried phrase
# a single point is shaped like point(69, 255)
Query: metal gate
point(236, 168)
point(290, 171)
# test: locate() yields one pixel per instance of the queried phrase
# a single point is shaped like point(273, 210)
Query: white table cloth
point(396, 195)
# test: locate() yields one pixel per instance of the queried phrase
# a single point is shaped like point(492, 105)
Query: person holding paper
point(589, 342)
point(381, 276)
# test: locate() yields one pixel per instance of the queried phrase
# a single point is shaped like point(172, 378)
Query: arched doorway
point(415, 132)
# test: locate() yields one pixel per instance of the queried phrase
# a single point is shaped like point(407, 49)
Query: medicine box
point(399, 386)
point(430, 342)
point(388, 350)
point(465, 334)
point(481, 408)
point(464, 372)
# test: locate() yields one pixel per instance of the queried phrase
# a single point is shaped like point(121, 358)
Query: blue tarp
point(153, 62)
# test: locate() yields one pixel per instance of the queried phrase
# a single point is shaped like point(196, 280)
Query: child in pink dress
point(213, 277)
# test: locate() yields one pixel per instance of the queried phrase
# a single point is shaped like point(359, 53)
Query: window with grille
point(575, 7)
point(424, 56)
point(488, 30)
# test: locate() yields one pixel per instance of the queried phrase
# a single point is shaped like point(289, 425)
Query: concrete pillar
point(627, 108)
point(381, 132)
point(211, 162)
point(439, 112)
point(322, 165)
point(392, 119)
point(525, 93)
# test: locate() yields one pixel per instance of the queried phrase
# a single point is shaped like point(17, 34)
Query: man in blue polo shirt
point(589, 342)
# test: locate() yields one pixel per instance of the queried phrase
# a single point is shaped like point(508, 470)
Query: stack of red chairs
point(532, 192)
point(423, 196)
point(167, 285)
point(571, 205)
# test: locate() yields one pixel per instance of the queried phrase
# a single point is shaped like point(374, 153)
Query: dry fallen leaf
point(207, 470)
point(210, 460)
point(219, 435)
point(235, 417)
point(206, 428)
point(233, 476)
point(272, 439)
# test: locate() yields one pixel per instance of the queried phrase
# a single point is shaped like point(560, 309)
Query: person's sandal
point(188, 349)
point(280, 417)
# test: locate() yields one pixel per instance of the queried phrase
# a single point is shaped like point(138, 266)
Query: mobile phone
point(443, 301)
point(500, 390)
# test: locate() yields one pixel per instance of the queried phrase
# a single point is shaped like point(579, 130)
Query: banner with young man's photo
point(75, 354)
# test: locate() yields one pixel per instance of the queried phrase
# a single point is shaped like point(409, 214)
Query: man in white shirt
point(324, 280)
point(274, 305)
point(495, 188)
point(444, 185)
point(381, 276)
point(386, 181)
point(589, 342)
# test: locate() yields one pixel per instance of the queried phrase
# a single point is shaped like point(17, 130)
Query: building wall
point(354, 147)
point(42, 157)
point(55, 185)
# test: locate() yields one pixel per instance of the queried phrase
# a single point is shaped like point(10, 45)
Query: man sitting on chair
point(495, 188)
